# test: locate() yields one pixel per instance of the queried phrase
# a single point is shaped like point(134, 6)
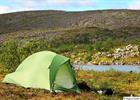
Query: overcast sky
point(68, 5)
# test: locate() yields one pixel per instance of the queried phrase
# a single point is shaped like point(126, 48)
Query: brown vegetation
point(43, 23)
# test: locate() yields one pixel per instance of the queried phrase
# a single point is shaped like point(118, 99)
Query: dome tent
point(46, 70)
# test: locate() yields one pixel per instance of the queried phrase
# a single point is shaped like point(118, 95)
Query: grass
point(122, 83)
point(131, 60)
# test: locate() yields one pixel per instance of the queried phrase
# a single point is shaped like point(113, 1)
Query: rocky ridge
point(128, 55)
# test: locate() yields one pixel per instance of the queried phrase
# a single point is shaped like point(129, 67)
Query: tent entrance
point(64, 78)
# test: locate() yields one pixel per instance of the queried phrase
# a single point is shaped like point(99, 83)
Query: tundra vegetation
point(92, 46)
point(83, 46)
point(122, 84)
point(100, 37)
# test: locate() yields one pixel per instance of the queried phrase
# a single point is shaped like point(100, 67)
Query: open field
point(122, 84)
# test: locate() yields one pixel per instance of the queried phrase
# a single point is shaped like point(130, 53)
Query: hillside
point(32, 23)
point(86, 37)
point(110, 19)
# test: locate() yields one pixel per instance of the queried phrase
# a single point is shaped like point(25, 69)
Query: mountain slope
point(31, 20)
point(70, 33)
point(44, 24)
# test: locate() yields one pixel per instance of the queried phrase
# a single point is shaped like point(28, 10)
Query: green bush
point(13, 53)
point(9, 54)
point(29, 47)
point(108, 44)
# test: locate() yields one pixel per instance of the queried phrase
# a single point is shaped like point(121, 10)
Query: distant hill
point(77, 35)
point(41, 23)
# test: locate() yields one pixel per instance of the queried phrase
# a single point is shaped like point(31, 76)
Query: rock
point(95, 62)
point(127, 51)
point(116, 57)
point(89, 63)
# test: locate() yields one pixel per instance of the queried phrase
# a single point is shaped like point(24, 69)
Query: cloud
point(58, 2)
point(75, 3)
point(87, 3)
point(21, 5)
point(53, 3)
point(27, 3)
point(4, 9)
point(135, 5)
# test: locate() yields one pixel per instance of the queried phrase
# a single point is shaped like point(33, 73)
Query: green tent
point(46, 70)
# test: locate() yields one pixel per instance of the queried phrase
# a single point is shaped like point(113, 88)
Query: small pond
point(127, 68)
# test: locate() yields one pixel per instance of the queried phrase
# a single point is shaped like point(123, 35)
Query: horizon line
point(68, 10)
